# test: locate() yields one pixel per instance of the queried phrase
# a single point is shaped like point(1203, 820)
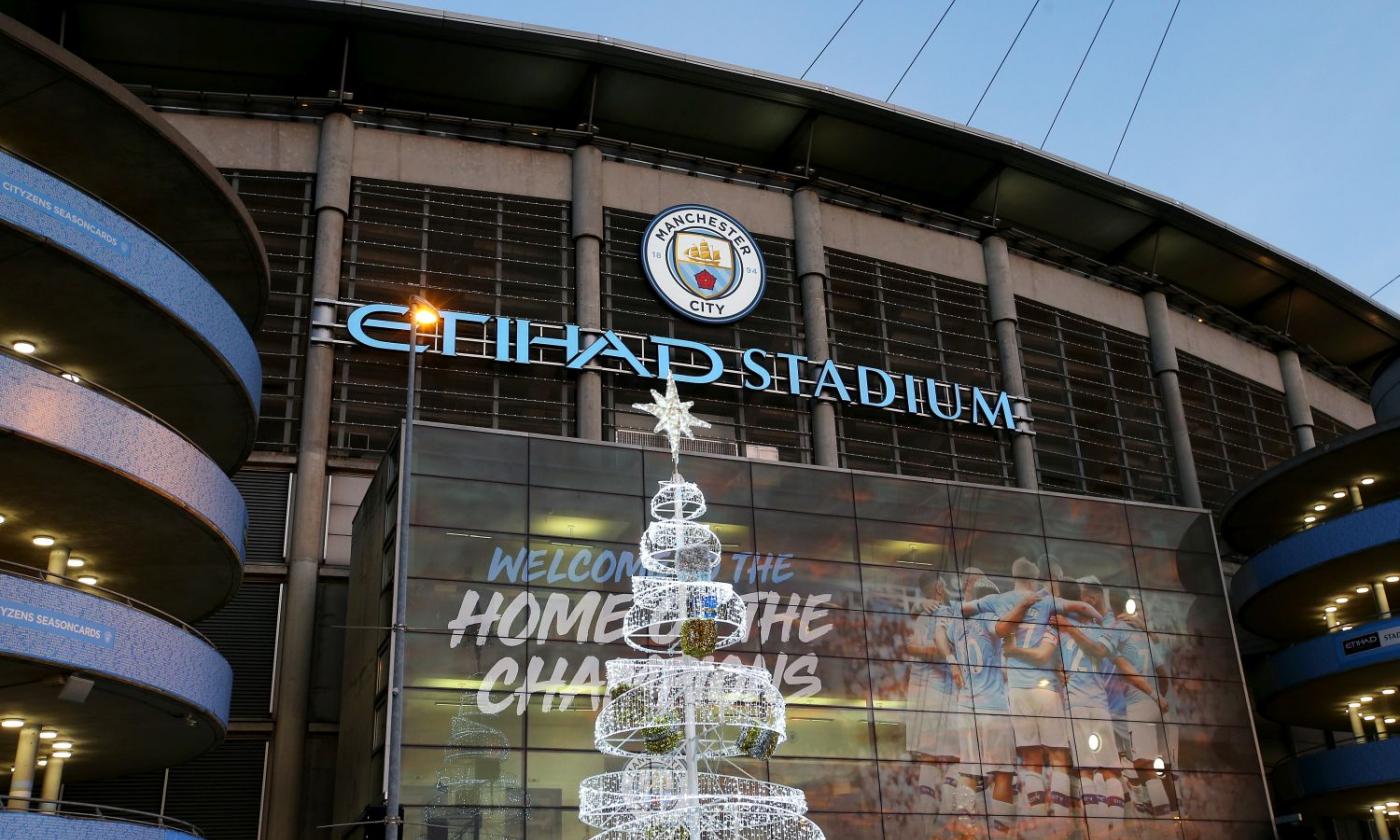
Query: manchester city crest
point(703, 263)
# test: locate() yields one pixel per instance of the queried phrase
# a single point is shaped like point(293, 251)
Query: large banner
point(957, 661)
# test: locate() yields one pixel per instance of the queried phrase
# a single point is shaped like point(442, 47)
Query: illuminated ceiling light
point(2, 519)
point(1341, 599)
point(1346, 627)
point(1329, 609)
point(1319, 507)
point(1368, 717)
point(1362, 590)
point(1392, 804)
point(27, 347)
point(76, 562)
point(63, 745)
point(1339, 494)
point(1392, 578)
point(1377, 807)
point(1130, 607)
point(1387, 691)
point(71, 377)
point(48, 734)
point(43, 762)
point(63, 754)
point(1389, 720)
point(88, 580)
point(1353, 705)
point(12, 723)
point(43, 541)
point(1367, 481)
point(1365, 698)
point(1392, 813)
point(1310, 519)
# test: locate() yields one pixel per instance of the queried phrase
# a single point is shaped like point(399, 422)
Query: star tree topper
point(673, 417)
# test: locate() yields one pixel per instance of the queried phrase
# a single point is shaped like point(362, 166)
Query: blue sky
point(1280, 117)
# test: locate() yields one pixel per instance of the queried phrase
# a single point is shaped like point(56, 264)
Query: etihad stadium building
point(942, 372)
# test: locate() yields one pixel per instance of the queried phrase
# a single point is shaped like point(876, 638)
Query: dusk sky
point(1279, 117)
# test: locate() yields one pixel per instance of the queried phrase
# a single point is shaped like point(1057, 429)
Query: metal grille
point(221, 791)
point(1327, 428)
point(1098, 420)
point(463, 250)
point(904, 320)
point(699, 446)
point(280, 204)
point(739, 415)
point(265, 492)
point(1238, 427)
point(245, 633)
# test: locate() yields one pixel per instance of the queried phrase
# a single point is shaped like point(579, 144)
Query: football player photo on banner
point(703, 264)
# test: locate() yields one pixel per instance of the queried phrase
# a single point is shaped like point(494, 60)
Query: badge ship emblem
point(705, 264)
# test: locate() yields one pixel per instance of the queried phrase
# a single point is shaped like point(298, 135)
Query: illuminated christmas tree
point(678, 717)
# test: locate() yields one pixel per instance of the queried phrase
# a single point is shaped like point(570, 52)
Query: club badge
point(703, 264)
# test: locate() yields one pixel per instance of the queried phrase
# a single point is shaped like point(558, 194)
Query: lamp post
point(421, 313)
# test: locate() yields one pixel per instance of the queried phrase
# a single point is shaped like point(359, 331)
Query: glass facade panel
point(904, 320)
point(927, 656)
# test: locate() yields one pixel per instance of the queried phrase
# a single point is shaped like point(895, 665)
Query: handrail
point(90, 811)
point(42, 576)
point(40, 362)
point(1337, 743)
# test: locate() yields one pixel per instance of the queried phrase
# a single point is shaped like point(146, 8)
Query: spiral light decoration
point(678, 717)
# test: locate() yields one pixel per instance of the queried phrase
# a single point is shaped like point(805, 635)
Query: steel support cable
point(1145, 80)
point(1384, 286)
point(822, 51)
point(1004, 57)
point(1077, 71)
point(915, 59)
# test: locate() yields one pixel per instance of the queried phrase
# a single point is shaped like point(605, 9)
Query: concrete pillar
point(284, 786)
point(1331, 619)
point(1001, 308)
point(53, 784)
point(1354, 713)
point(1165, 371)
point(1295, 399)
point(1382, 830)
point(811, 273)
point(1382, 599)
point(58, 563)
point(587, 212)
point(22, 779)
point(1382, 732)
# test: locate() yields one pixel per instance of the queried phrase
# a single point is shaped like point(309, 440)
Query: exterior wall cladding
point(494, 228)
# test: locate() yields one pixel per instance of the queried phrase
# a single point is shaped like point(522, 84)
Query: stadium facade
point(972, 408)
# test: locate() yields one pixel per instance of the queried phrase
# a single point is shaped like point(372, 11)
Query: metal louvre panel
point(139, 792)
point(221, 791)
point(265, 494)
point(245, 632)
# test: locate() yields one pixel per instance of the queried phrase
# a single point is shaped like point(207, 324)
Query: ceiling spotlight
point(1319, 507)
point(63, 745)
point(63, 754)
point(2, 519)
point(1392, 804)
point(71, 377)
point(1353, 705)
point(43, 541)
point(48, 734)
point(1387, 691)
point(1339, 494)
point(12, 723)
point(1341, 599)
point(1346, 627)
point(1368, 717)
point(1377, 807)
point(1310, 519)
point(1365, 698)
point(1390, 720)
point(43, 762)
point(1362, 590)
point(87, 580)
point(1329, 609)
point(1392, 813)
point(1367, 481)
point(1392, 578)
point(27, 347)
point(76, 562)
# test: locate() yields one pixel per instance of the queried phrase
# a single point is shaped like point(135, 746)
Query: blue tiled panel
point(53, 623)
point(72, 417)
point(45, 206)
point(1326, 656)
point(35, 826)
point(1373, 764)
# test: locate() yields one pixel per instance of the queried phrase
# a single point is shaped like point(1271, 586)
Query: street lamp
point(421, 313)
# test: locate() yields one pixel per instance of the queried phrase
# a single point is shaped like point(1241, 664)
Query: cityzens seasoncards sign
point(703, 264)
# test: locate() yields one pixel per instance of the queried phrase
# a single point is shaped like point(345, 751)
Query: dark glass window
point(1238, 427)
point(904, 320)
point(1098, 422)
point(740, 418)
point(280, 204)
point(467, 251)
point(1327, 428)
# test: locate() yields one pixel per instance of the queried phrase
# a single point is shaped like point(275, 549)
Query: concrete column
point(1382, 732)
point(1354, 713)
point(58, 563)
point(1165, 371)
point(284, 786)
point(1382, 830)
point(811, 273)
point(1001, 308)
point(53, 784)
point(1295, 398)
point(587, 211)
point(1382, 599)
point(22, 780)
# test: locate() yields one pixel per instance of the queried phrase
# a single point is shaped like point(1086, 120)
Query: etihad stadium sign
point(522, 341)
